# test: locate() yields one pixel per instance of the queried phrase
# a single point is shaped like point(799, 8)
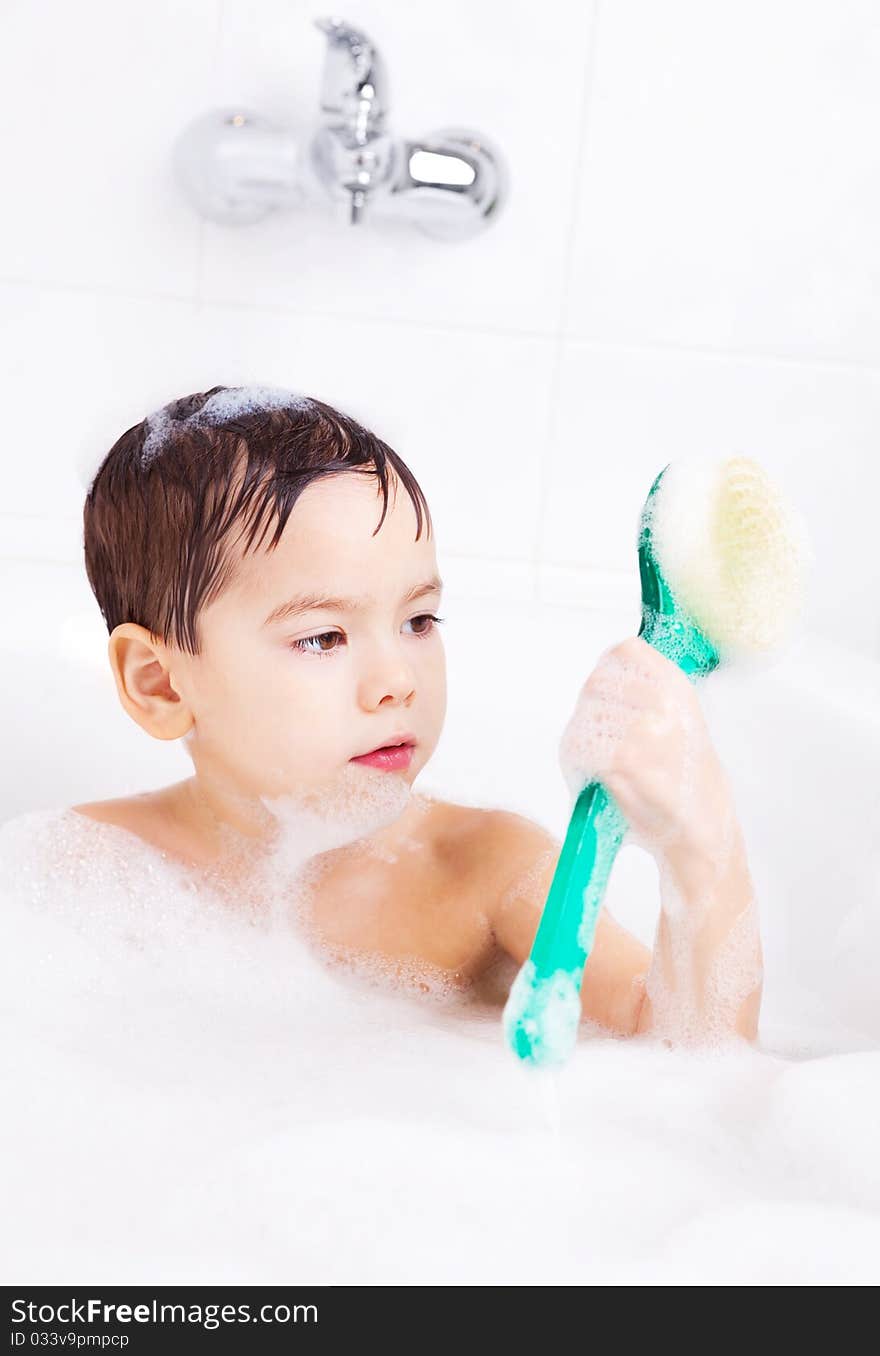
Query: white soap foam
point(237, 401)
point(690, 1006)
point(221, 408)
point(361, 801)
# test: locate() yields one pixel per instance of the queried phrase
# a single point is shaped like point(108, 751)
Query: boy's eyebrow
point(307, 602)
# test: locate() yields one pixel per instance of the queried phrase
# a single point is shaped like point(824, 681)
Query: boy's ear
point(140, 667)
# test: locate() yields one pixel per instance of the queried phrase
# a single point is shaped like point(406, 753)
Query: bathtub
point(195, 1101)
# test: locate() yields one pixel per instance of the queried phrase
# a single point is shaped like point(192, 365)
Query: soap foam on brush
point(733, 551)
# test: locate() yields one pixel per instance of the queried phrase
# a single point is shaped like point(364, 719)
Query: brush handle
point(543, 1009)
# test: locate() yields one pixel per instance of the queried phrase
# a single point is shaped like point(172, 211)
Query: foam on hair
point(223, 407)
point(732, 550)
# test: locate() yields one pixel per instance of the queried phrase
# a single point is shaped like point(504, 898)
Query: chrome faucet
point(236, 166)
point(352, 151)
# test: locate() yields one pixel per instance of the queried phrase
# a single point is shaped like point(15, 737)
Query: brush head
point(732, 552)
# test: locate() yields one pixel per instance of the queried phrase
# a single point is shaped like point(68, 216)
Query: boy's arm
point(613, 991)
point(709, 915)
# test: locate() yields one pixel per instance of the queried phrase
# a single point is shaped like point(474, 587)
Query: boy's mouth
point(391, 743)
point(395, 754)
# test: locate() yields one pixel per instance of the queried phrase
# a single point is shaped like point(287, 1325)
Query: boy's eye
point(315, 644)
point(430, 619)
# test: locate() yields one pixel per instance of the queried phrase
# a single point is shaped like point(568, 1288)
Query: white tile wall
point(688, 263)
point(621, 414)
point(730, 193)
point(93, 93)
point(442, 398)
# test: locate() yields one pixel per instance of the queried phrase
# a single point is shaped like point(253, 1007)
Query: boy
point(257, 610)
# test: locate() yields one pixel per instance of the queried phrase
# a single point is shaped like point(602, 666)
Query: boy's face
point(281, 707)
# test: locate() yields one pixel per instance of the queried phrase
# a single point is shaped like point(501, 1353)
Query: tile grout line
point(199, 289)
point(866, 367)
point(559, 339)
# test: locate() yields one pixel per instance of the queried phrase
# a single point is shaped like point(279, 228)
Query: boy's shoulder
point(491, 843)
point(480, 823)
point(140, 814)
point(122, 810)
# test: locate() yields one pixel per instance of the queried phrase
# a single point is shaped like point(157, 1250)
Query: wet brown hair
point(179, 489)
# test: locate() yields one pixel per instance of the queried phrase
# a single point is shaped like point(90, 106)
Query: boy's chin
point(357, 802)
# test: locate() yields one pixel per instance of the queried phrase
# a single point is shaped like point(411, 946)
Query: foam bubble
point(522, 886)
point(221, 408)
point(361, 801)
point(158, 426)
point(598, 725)
point(375, 971)
point(237, 401)
point(542, 1015)
point(692, 1006)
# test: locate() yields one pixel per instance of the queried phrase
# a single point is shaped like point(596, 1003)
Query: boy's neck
point(220, 826)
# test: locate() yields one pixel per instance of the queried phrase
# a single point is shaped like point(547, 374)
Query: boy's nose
point(392, 680)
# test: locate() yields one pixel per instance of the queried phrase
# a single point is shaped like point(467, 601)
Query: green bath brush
point(735, 554)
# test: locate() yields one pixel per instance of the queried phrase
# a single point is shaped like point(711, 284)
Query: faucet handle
point(354, 85)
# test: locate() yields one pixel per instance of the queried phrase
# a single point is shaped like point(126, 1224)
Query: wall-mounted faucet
point(236, 166)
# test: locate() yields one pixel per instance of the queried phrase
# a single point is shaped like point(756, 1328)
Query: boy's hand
point(638, 728)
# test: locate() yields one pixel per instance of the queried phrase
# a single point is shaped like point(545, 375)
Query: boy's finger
point(636, 654)
point(616, 683)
